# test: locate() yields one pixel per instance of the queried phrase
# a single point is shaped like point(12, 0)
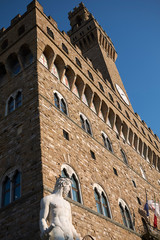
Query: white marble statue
point(55, 214)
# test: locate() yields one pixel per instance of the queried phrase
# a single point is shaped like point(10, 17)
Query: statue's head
point(63, 183)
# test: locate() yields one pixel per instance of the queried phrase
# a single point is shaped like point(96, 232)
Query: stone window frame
point(85, 119)
point(107, 142)
point(60, 99)
point(70, 171)
point(124, 156)
point(122, 205)
point(13, 95)
point(10, 174)
point(143, 172)
point(101, 191)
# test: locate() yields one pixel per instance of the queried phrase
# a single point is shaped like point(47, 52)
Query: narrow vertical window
point(82, 122)
point(6, 192)
point(88, 127)
point(18, 100)
point(130, 224)
point(63, 107)
point(98, 202)
point(17, 186)
point(75, 191)
point(56, 100)
point(105, 206)
point(123, 215)
point(11, 105)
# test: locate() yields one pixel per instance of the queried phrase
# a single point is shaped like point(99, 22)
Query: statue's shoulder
point(46, 200)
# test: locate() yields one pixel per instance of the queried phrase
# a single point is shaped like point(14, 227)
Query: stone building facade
point(64, 110)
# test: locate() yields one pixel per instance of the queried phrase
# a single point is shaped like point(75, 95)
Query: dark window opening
point(90, 75)
point(50, 33)
point(92, 154)
point(78, 62)
point(4, 44)
point(21, 30)
point(65, 48)
point(66, 135)
point(115, 171)
point(101, 87)
point(139, 201)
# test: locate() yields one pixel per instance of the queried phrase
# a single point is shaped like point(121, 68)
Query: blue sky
point(134, 27)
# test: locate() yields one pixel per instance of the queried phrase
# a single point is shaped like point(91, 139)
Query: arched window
point(85, 124)
point(102, 203)
point(107, 142)
point(124, 156)
point(13, 64)
point(75, 192)
point(11, 187)
point(26, 55)
point(126, 216)
point(60, 103)
point(14, 101)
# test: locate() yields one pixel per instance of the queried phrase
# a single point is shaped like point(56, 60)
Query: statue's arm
point(44, 211)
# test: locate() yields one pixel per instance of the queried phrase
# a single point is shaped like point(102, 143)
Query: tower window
point(79, 21)
point(78, 62)
point(65, 48)
point(110, 96)
point(50, 33)
point(4, 44)
point(101, 87)
point(119, 106)
point(21, 30)
point(127, 115)
point(13, 64)
point(90, 75)
point(143, 131)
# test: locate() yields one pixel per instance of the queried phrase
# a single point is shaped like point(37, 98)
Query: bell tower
point(95, 44)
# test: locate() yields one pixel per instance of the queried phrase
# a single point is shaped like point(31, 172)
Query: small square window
point(65, 134)
point(115, 171)
point(92, 154)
